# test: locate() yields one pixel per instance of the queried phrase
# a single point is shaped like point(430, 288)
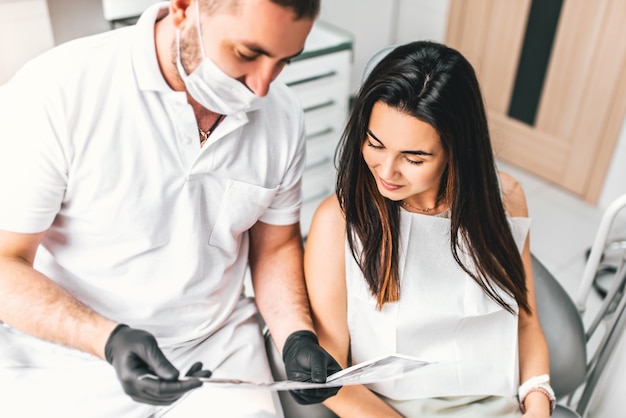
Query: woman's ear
point(178, 11)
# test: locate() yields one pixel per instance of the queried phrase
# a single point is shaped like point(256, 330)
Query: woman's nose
point(387, 167)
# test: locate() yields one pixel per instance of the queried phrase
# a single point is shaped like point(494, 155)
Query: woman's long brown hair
point(437, 85)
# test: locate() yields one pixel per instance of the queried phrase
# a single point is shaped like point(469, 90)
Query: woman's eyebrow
point(410, 152)
point(417, 153)
point(370, 133)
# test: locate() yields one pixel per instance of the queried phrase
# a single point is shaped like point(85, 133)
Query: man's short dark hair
point(307, 9)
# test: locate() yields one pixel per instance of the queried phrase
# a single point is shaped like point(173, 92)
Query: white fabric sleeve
point(285, 207)
point(32, 160)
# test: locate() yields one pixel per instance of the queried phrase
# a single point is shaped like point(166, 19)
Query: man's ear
point(178, 11)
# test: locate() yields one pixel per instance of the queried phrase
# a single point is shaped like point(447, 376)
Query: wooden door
point(569, 133)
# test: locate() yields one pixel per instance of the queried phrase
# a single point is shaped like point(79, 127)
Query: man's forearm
point(34, 304)
point(282, 300)
point(278, 280)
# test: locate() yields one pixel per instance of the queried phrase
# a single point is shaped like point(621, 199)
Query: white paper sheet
point(375, 370)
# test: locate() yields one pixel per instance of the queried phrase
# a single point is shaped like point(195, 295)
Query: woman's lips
point(389, 186)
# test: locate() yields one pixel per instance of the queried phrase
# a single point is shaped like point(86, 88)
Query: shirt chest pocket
point(241, 207)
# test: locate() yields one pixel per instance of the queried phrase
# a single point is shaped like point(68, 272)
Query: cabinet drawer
point(323, 130)
point(324, 111)
point(318, 70)
point(318, 182)
point(321, 154)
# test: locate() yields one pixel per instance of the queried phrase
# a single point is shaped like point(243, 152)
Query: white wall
point(25, 32)
point(421, 20)
point(371, 25)
point(376, 24)
point(74, 18)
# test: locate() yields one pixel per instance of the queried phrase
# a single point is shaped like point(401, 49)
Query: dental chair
point(577, 362)
point(609, 322)
point(565, 334)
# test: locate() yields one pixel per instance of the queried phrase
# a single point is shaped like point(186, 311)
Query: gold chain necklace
point(204, 135)
point(425, 210)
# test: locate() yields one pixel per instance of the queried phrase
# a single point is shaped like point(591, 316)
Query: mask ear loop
point(199, 29)
point(179, 62)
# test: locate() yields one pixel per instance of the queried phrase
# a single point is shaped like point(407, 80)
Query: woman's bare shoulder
point(513, 196)
point(329, 211)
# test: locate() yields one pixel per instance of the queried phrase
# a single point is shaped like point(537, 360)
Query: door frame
point(576, 130)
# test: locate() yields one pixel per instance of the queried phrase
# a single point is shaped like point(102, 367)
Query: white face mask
point(210, 86)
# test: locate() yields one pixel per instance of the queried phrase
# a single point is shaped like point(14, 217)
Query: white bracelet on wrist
point(533, 381)
point(539, 383)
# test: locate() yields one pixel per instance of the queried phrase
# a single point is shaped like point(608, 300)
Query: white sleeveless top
point(443, 316)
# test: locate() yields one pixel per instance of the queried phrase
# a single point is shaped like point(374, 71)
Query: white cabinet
point(124, 11)
point(320, 77)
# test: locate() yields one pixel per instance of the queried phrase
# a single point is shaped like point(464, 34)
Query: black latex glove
point(135, 353)
point(306, 361)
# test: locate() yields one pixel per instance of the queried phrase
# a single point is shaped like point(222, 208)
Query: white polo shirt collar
point(144, 56)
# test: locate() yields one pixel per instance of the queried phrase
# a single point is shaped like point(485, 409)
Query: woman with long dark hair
point(424, 250)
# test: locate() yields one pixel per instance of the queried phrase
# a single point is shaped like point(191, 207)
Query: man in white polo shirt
point(142, 172)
